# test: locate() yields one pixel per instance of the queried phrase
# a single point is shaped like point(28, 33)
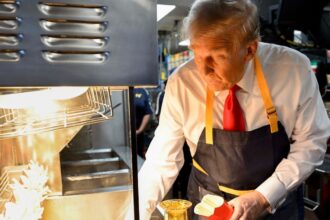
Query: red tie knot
point(234, 89)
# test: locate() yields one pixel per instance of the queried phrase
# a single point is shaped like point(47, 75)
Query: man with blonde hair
point(250, 112)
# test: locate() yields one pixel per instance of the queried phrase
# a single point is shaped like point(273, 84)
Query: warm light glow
point(60, 93)
point(29, 193)
point(163, 10)
point(44, 111)
point(40, 97)
point(48, 156)
point(185, 43)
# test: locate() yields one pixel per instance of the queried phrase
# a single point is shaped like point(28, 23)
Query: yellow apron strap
point(198, 167)
point(233, 191)
point(221, 188)
point(209, 117)
point(270, 109)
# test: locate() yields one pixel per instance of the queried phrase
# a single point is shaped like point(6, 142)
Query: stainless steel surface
point(74, 42)
point(10, 39)
point(94, 181)
point(8, 173)
point(72, 57)
point(59, 25)
point(94, 165)
point(114, 132)
point(80, 176)
point(110, 205)
point(98, 175)
point(54, 9)
point(52, 108)
point(9, 23)
point(8, 7)
point(97, 154)
point(311, 205)
point(42, 147)
point(45, 147)
point(101, 177)
point(93, 170)
point(11, 55)
point(80, 56)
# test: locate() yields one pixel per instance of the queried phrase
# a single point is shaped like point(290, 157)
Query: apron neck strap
point(268, 103)
point(209, 117)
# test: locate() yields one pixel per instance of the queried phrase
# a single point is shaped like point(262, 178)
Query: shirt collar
point(248, 82)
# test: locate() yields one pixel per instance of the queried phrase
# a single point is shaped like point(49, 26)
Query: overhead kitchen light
point(184, 43)
point(163, 10)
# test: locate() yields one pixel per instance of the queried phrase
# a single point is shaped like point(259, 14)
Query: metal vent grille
point(9, 35)
point(81, 40)
point(78, 43)
point(78, 40)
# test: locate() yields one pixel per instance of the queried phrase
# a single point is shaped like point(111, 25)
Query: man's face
point(221, 67)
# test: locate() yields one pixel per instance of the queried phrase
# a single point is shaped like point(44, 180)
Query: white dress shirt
point(295, 94)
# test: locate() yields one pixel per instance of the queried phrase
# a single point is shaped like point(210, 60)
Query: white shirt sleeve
point(164, 158)
point(309, 136)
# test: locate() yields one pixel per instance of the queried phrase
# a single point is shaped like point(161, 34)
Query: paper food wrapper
point(214, 207)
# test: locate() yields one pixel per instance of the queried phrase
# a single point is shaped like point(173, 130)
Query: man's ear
point(251, 50)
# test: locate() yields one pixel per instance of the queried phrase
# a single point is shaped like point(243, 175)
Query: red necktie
point(233, 119)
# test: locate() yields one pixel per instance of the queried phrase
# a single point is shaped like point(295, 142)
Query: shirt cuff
point(274, 191)
point(145, 216)
point(146, 210)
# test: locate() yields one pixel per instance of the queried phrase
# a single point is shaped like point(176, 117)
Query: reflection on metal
point(75, 56)
point(10, 39)
point(9, 7)
point(74, 10)
point(11, 55)
point(58, 41)
point(9, 23)
point(45, 112)
point(106, 205)
point(43, 147)
point(41, 124)
point(58, 25)
point(8, 173)
point(93, 170)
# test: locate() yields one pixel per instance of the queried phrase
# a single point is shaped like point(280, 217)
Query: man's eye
point(221, 57)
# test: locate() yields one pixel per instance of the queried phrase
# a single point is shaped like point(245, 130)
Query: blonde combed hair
point(233, 21)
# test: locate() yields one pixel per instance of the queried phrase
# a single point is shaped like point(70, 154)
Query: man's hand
point(250, 206)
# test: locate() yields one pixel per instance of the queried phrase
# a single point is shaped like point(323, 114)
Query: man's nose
point(208, 65)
